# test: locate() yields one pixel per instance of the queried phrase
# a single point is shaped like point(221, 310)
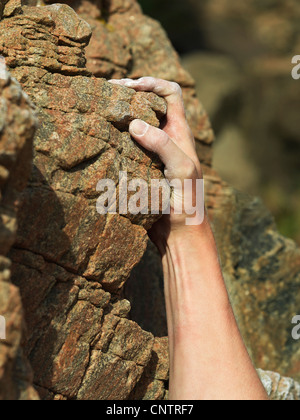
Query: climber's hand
point(174, 143)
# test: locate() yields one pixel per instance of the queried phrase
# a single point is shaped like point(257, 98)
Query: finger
point(177, 163)
point(176, 126)
point(169, 90)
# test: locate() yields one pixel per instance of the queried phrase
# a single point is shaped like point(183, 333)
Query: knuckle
point(189, 168)
point(147, 81)
point(143, 79)
point(160, 140)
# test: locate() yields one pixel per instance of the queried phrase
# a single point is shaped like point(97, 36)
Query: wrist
point(177, 232)
point(190, 253)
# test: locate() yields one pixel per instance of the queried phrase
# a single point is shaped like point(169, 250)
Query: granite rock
point(69, 262)
point(279, 388)
point(17, 127)
point(126, 43)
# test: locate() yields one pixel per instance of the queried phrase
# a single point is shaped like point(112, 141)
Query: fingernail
point(139, 128)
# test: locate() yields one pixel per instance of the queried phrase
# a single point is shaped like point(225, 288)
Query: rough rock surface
point(255, 256)
point(17, 126)
point(278, 388)
point(126, 43)
point(69, 263)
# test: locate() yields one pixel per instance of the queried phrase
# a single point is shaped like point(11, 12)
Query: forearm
point(207, 355)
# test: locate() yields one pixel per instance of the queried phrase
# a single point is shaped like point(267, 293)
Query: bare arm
point(208, 358)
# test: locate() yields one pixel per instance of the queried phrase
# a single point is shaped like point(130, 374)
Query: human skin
point(208, 358)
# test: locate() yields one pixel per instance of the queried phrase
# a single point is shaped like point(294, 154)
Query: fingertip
point(114, 81)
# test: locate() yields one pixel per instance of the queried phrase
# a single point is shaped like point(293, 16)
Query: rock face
point(17, 126)
point(69, 263)
point(126, 43)
point(243, 226)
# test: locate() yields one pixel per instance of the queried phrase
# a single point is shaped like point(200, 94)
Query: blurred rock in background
point(241, 61)
point(67, 264)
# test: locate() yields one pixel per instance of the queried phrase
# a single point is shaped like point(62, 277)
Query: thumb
point(177, 163)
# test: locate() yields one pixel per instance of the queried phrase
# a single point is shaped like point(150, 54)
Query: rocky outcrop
point(69, 263)
point(278, 388)
point(17, 126)
point(126, 43)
